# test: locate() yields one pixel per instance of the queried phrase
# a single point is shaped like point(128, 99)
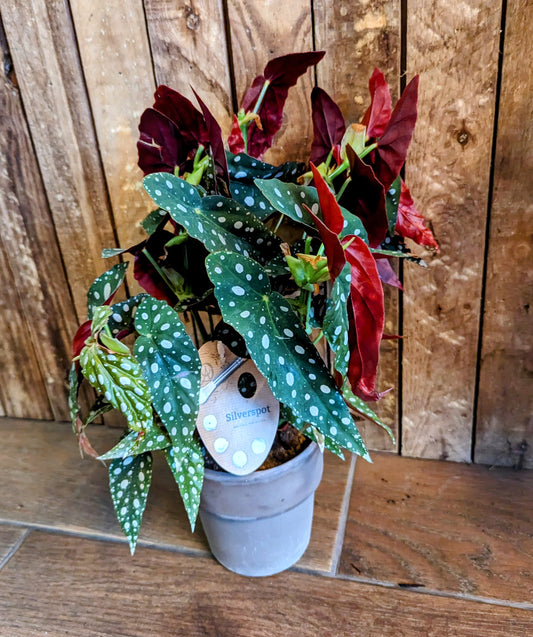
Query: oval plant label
point(238, 415)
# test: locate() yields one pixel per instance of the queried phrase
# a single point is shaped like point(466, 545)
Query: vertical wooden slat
point(117, 64)
point(33, 270)
point(505, 405)
point(189, 49)
point(45, 57)
point(357, 38)
point(454, 47)
point(263, 30)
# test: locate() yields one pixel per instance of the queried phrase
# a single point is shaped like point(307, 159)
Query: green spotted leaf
point(245, 168)
point(123, 313)
point(101, 315)
point(187, 467)
point(359, 405)
point(324, 442)
point(335, 324)
point(138, 442)
point(218, 222)
point(249, 196)
point(151, 222)
point(118, 377)
point(290, 199)
point(392, 200)
point(171, 366)
point(104, 287)
point(74, 387)
point(129, 483)
point(280, 347)
point(98, 408)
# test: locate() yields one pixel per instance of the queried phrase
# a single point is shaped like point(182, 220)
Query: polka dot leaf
point(187, 467)
point(335, 324)
point(152, 221)
point(104, 287)
point(129, 483)
point(245, 168)
point(249, 196)
point(123, 313)
point(280, 347)
point(289, 199)
point(218, 222)
point(392, 200)
point(324, 442)
point(118, 377)
point(137, 442)
point(359, 405)
point(171, 366)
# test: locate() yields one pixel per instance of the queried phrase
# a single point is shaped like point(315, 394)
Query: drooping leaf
point(182, 112)
point(410, 223)
point(328, 125)
point(387, 273)
point(137, 443)
point(153, 220)
point(336, 323)
point(379, 112)
point(216, 221)
point(187, 466)
point(280, 347)
point(129, 482)
point(364, 410)
point(244, 168)
point(324, 442)
point(118, 377)
point(104, 287)
point(367, 307)
point(365, 197)
point(74, 387)
point(393, 144)
point(330, 209)
point(392, 201)
point(161, 147)
point(171, 366)
point(281, 73)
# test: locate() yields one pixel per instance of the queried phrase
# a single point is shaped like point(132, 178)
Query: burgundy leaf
point(365, 197)
point(161, 146)
point(328, 125)
point(410, 223)
point(281, 73)
point(393, 144)
point(368, 317)
point(82, 334)
point(216, 143)
point(379, 112)
point(235, 140)
point(150, 280)
point(332, 246)
point(184, 114)
point(331, 212)
point(386, 272)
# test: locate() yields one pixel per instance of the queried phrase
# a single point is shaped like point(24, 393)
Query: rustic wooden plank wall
point(76, 78)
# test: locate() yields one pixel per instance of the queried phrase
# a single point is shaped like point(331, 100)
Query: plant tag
point(238, 415)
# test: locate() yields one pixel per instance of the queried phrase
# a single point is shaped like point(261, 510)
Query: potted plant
point(267, 260)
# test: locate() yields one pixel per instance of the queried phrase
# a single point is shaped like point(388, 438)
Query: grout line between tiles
point(14, 548)
point(343, 519)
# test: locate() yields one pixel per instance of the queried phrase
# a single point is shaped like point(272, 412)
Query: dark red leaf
point(365, 197)
point(386, 272)
point(217, 145)
point(332, 246)
point(393, 144)
point(378, 113)
point(281, 73)
point(328, 125)
point(184, 114)
point(368, 317)
point(161, 146)
point(411, 224)
point(235, 140)
point(331, 212)
point(82, 334)
point(150, 280)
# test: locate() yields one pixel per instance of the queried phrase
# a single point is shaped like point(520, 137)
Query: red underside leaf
point(411, 224)
point(367, 316)
point(386, 272)
point(328, 125)
point(393, 144)
point(282, 73)
point(161, 146)
point(235, 140)
point(379, 112)
point(365, 197)
point(331, 212)
point(82, 334)
point(150, 281)
point(183, 113)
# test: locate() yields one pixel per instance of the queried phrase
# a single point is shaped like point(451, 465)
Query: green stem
point(160, 271)
point(319, 337)
point(261, 97)
point(368, 149)
point(343, 188)
point(278, 224)
point(308, 327)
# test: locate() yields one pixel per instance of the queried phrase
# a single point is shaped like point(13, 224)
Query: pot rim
point(265, 474)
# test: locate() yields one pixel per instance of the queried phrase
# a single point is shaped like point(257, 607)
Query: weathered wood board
point(455, 50)
point(504, 433)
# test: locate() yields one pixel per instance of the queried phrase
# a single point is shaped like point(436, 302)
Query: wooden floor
point(400, 547)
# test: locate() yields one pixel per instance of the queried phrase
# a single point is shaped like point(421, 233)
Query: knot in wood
point(192, 19)
point(463, 137)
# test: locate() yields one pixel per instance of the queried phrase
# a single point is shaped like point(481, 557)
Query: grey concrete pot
point(260, 524)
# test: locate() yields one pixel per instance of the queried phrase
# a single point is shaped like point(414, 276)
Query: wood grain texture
point(504, 433)
point(30, 247)
point(10, 536)
point(442, 526)
point(110, 594)
point(189, 49)
point(115, 53)
point(46, 61)
point(455, 50)
point(260, 31)
point(49, 485)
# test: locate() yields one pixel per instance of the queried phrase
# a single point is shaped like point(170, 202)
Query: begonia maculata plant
point(267, 259)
